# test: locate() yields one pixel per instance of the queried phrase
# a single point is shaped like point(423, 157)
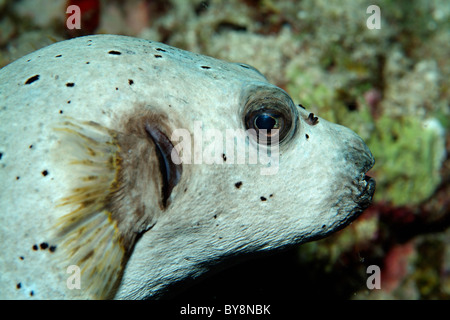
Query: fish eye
point(269, 117)
point(267, 124)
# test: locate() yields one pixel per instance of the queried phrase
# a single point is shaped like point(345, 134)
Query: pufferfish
point(100, 197)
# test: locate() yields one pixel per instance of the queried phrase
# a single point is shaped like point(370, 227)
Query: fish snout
point(358, 160)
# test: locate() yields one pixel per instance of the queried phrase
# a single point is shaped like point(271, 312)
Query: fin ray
point(88, 236)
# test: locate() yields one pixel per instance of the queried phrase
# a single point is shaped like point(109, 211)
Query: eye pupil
point(265, 121)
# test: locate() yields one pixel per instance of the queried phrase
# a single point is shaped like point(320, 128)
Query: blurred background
point(390, 85)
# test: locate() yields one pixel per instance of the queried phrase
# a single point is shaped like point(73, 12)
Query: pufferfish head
point(262, 174)
point(166, 164)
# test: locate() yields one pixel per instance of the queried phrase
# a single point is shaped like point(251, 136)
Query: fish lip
point(364, 199)
point(370, 186)
point(366, 183)
point(366, 195)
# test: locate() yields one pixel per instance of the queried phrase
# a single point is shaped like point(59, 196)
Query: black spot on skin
point(60, 111)
point(43, 245)
point(87, 62)
point(31, 293)
point(206, 67)
point(307, 136)
point(31, 146)
point(263, 198)
point(117, 88)
point(58, 56)
point(130, 82)
point(161, 50)
point(271, 195)
point(215, 216)
point(19, 285)
point(244, 66)
point(45, 173)
point(238, 184)
point(35, 247)
point(324, 226)
point(17, 178)
point(52, 249)
point(1, 155)
point(301, 106)
point(68, 101)
point(224, 157)
point(117, 53)
point(158, 56)
point(21, 258)
point(32, 79)
point(70, 84)
point(312, 120)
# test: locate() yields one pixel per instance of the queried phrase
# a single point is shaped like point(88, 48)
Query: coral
point(395, 266)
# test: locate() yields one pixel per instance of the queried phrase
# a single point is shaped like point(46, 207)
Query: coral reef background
point(390, 85)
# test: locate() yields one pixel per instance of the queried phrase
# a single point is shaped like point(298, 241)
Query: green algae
point(408, 159)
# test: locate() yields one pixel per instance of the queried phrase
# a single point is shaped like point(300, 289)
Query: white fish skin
point(84, 132)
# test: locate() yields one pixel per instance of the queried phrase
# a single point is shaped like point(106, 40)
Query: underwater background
point(389, 84)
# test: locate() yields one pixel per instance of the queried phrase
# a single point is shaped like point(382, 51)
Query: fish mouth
point(366, 196)
point(362, 201)
point(366, 183)
point(367, 190)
